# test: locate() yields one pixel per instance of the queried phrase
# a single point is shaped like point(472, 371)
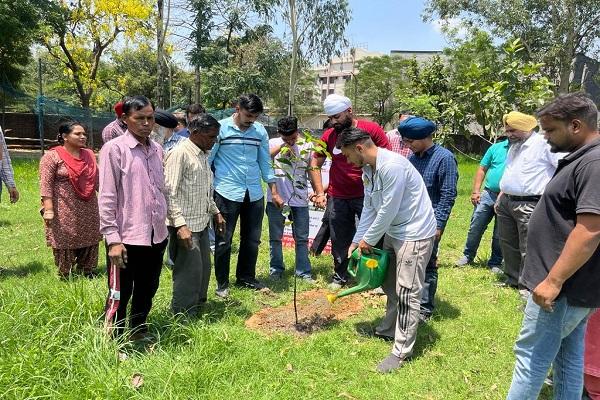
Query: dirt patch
point(314, 314)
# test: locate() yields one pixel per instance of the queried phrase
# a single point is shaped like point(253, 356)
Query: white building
point(420, 55)
point(333, 76)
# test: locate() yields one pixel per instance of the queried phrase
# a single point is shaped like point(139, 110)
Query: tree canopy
point(551, 32)
point(19, 26)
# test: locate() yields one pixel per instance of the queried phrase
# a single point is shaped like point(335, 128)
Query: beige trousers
point(403, 287)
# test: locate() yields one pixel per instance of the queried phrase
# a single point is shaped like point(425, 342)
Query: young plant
point(294, 168)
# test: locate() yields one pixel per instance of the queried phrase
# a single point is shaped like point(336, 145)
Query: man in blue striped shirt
point(240, 158)
point(439, 170)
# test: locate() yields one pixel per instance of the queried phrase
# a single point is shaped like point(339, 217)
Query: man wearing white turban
point(345, 181)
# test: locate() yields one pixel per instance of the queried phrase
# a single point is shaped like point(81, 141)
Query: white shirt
point(529, 167)
point(299, 197)
point(396, 202)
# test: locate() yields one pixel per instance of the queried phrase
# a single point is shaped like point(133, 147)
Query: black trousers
point(342, 223)
point(322, 236)
point(139, 282)
point(250, 214)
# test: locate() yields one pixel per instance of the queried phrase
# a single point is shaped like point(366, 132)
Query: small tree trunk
point(568, 53)
point(197, 84)
point(294, 60)
point(160, 56)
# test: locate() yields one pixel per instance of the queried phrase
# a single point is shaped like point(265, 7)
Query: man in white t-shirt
point(291, 155)
point(529, 166)
point(396, 208)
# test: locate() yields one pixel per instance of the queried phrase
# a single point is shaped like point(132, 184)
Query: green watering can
point(369, 270)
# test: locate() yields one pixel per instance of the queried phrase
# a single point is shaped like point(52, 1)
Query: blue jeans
point(550, 338)
point(300, 225)
point(482, 216)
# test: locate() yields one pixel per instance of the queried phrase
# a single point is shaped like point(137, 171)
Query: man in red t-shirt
point(345, 181)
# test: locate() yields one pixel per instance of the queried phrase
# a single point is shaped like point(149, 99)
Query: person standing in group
point(439, 170)
point(68, 184)
point(563, 256)
point(117, 127)
point(7, 175)
point(240, 158)
point(173, 139)
point(294, 194)
point(345, 189)
point(192, 111)
point(188, 180)
point(491, 169)
point(395, 139)
point(529, 166)
point(133, 211)
point(397, 209)
point(164, 125)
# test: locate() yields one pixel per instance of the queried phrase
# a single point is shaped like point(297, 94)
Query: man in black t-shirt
point(562, 266)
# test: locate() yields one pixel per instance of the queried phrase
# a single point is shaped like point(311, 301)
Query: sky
point(381, 25)
point(385, 25)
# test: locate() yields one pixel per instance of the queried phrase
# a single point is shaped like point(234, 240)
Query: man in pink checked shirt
point(133, 212)
point(398, 145)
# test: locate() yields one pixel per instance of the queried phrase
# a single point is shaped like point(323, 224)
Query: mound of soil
point(314, 314)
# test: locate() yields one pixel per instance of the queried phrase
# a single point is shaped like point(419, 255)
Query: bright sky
point(385, 25)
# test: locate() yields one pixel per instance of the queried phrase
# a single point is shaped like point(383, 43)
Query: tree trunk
point(160, 56)
point(294, 60)
point(197, 84)
point(568, 51)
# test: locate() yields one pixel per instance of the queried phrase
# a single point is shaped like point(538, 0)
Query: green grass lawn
point(52, 346)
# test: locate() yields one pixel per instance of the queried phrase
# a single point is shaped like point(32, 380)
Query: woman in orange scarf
point(68, 184)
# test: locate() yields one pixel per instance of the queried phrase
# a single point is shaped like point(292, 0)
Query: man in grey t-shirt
point(563, 255)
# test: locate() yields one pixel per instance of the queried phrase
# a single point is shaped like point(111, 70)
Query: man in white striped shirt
point(188, 180)
point(6, 171)
point(397, 208)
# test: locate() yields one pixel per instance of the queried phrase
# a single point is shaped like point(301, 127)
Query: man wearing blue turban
point(439, 170)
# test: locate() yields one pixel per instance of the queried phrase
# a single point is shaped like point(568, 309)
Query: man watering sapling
point(397, 208)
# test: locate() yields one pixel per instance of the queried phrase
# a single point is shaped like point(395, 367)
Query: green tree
point(230, 20)
point(79, 33)
point(551, 32)
point(481, 97)
point(255, 65)
point(19, 24)
point(377, 84)
point(317, 32)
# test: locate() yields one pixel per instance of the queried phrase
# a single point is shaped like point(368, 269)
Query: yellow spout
point(331, 297)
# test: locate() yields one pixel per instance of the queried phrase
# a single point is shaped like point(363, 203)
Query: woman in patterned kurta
point(68, 184)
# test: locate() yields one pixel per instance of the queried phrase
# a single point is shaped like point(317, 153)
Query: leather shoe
point(250, 284)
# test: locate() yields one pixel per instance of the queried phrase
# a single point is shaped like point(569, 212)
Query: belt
point(524, 198)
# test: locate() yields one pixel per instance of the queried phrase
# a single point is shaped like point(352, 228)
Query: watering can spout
point(369, 270)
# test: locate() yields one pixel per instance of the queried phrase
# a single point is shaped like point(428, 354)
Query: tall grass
point(52, 346)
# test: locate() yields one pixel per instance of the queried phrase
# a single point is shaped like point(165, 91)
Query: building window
point(323, 80)
point(323, 94)
point(332, 79)
point(331, 91)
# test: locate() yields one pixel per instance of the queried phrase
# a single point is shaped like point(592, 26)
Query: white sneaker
point(464, 260)
point(222, 293)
